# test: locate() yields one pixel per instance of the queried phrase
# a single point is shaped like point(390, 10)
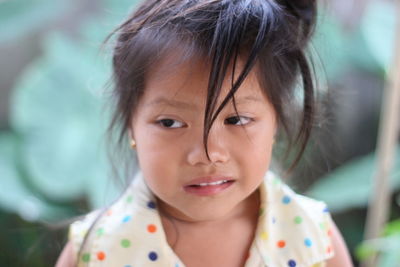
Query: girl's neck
point(248, 209)
point(188, 237)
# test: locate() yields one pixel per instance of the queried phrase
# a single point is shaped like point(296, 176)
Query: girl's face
point(168, 130)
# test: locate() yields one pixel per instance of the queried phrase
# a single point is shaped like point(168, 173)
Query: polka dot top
point(293, 230)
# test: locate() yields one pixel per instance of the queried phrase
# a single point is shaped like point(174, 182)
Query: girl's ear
point(132, 139)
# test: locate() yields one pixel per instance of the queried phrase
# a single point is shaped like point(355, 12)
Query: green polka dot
point(275, 181)
point(100, 231)
point(125, 243)
point(129, 199)
point(298, 219)
point(322, 225)
point(86, 257)
point(261, 212)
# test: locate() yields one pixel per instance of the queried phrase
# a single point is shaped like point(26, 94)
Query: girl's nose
point(218, 151)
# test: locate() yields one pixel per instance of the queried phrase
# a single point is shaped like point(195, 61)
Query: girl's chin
point(207, 217)
point(198, 215)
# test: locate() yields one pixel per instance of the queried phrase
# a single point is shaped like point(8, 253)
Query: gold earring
point(133, 144)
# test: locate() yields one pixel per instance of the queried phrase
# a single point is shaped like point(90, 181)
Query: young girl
point(203, 88)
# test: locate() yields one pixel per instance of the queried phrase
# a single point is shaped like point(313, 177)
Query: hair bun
point(303, 9)
point(303, 3)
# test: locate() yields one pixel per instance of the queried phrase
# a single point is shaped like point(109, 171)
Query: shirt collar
point(288, 233)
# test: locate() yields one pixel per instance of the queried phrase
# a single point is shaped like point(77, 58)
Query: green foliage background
point(53, 163)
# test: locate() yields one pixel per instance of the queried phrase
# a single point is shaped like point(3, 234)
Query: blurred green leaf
point(387, 248)
point(18, 196)
point(359, 54)
point(350, 185)
point(330, 43)
point(60, 115)
point(338, 50)
point(364, 251)
point(378, 28)
point(57, 109)
point(21, 17)
point(392, 228)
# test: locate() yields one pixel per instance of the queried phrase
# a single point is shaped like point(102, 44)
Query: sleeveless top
point(293, 230)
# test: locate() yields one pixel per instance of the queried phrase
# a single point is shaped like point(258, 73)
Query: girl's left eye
point(238, 120)
point(170, 123)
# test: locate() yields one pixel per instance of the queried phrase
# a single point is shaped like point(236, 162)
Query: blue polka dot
point(128, 266)
point(291, 263)
point(326, 209)
point(286, 200)
point(176, 265)
point(151, 204)
point(307, 242)
point(153, 256)
point(273, 220)
point(127, 218)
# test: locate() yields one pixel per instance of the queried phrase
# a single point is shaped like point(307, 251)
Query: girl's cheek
point(160, 145)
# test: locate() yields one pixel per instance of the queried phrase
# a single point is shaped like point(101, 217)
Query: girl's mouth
point(208, 188)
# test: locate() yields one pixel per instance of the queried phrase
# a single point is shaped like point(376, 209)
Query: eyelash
point(240, 118)
point(160, 122)
point(226, 121)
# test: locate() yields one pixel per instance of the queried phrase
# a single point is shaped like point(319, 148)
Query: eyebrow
point(172, 103)
point(192, 106)
point(248, 98)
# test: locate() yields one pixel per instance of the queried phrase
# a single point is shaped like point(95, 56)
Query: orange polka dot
point(281, 244)
point(101, 255)
point(330, 232)
point(151, 228)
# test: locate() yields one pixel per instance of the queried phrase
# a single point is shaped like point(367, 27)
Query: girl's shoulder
point(283, 198)
point(79, 229)
point(294, 228)
point(105, 235)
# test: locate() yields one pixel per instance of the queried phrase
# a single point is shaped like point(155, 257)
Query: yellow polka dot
point(264, 235)
point(83, 233)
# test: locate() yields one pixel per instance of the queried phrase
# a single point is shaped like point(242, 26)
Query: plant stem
point(388, 132)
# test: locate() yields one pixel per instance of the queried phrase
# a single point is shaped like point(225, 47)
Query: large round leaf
point(57, 107)
point(17, 196)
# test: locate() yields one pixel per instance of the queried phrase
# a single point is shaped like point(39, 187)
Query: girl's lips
point(208, 180)
point(207, 186)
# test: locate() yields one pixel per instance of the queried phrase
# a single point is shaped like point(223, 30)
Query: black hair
point(271, 35)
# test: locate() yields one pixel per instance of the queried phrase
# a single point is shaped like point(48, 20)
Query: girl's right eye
point(170, 123)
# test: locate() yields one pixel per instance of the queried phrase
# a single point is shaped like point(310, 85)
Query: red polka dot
point(328, 249)
point(281, 244)
point(151, 228)
point(109, 212)
point(101, 255)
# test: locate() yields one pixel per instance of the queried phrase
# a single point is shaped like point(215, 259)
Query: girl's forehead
point(177, 79)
